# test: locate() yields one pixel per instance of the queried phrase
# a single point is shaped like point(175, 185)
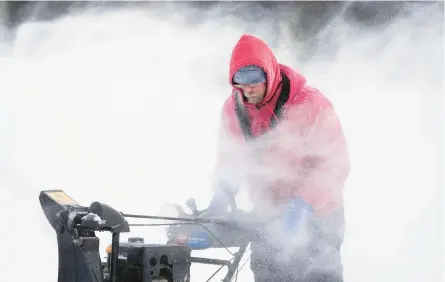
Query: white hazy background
point(123, 107)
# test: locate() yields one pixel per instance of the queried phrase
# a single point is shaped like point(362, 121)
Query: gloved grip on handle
point(220, 202)
point(223, 198)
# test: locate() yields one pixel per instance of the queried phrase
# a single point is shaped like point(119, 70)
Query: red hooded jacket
point(305, 155)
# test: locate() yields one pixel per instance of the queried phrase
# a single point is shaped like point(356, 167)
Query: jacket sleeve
point(325, 165)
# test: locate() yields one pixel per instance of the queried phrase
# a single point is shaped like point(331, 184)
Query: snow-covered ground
point(123, 108)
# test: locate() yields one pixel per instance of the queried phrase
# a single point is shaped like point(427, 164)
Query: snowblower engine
point(147, 262)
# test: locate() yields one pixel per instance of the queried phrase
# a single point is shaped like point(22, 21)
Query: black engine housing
point(138, 262)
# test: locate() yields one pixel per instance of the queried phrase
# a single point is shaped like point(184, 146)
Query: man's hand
point(219, 204)
point(290, 228)
point(296, 213)
point(222, 199)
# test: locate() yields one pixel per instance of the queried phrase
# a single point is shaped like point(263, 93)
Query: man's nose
point(248, 89)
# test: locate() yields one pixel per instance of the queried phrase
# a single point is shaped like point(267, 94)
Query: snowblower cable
point(188, 221)
point(238, 269)
point(160, 224)
point(242, 266)
point(217, 240)
point(218, 270)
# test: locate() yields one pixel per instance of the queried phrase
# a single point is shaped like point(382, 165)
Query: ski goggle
point(251, 85)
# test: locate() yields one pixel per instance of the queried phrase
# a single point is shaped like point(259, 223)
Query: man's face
point(254, 93)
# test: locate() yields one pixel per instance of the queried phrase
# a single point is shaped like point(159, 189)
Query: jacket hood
point(250, 50)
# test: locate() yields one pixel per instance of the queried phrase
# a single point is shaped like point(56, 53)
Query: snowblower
point(135, 260)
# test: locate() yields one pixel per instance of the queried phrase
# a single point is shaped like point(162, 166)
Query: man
point(283, 139)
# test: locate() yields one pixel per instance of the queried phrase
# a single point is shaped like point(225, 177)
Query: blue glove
point(296, 214)
point(220, 202)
